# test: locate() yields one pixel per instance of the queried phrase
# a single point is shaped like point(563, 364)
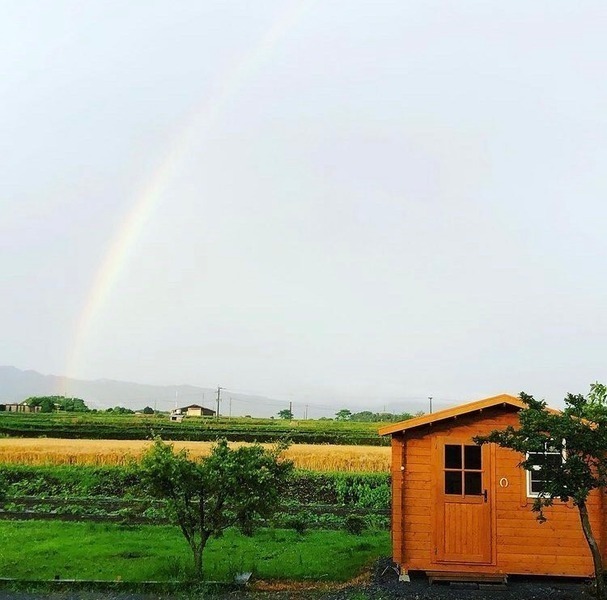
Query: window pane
point(473, 484)
point(472, 457)
point(453, 457)
point(537, 486)
point(553, 460)
point(453, 482)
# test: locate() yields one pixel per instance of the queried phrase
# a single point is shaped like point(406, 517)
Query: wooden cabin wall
point(397, 478)
point(520, 544)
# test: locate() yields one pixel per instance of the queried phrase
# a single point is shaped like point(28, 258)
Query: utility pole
point(230, 413)
point(219, 388)
point(430, 398)
point(291, 409)
point(306, 413)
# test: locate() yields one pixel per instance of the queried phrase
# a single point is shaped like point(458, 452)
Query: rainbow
point(198, 125)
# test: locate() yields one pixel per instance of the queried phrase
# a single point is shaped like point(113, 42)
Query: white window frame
point(548, 450)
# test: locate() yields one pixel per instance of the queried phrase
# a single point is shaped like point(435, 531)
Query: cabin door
point(462, 519)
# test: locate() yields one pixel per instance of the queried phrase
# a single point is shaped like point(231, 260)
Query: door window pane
point(472, 457)
point(453, 482)
point(472, 483)
point(453, 456)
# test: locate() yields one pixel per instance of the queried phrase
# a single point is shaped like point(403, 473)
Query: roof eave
point(449, 413)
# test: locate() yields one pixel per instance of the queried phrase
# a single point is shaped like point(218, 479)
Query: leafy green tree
point(228, 488)
point(579, 435)
point(148, 410)
point(46, 403)
point(343, 415)
point(120, 410)
point(286, 414)
point(53, 403)
point(73, 405)
point(366, 416)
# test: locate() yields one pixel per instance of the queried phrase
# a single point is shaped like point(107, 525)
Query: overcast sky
point(351, 202)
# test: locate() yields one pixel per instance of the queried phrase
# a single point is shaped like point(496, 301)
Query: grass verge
point(36, 550)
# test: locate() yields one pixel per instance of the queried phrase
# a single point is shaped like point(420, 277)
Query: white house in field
point(193, 410)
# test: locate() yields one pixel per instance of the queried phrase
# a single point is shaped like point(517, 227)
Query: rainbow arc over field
point(200, 123)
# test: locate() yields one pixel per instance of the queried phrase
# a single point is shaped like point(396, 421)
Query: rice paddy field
point(312, 457)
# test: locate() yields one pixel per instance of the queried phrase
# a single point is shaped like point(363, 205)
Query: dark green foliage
point(57, 403)
point(579, 434)
point(324, 500)
point(298, 523)
point(370, 490)
point(103, 425)
point(120, 410)
point(286, 414)
point(383, 417)
point(343, 415)
point(229, 488)
point(354, 524)
point(72, 481)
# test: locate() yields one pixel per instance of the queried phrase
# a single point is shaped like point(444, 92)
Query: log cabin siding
point(520, 544)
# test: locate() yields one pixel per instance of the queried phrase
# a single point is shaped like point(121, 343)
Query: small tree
point(286, 414)
point(343, 415)
point(579, 435)
point(228, 488)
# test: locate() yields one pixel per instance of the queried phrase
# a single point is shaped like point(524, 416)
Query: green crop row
point(128, 427)
point(369, 491)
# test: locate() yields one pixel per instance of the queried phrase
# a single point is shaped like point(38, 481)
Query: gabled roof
point(456, 411)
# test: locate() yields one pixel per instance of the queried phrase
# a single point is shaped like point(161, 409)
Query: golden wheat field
point(41, 451)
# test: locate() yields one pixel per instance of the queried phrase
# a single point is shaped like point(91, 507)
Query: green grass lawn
point(38, 550)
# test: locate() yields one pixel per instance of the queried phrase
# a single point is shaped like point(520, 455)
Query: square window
point(536, 482)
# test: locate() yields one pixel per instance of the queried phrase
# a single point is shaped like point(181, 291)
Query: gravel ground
point(382, 585)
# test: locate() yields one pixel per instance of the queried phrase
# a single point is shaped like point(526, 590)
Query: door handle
point(485, 495)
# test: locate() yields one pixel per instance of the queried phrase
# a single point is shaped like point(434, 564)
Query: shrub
point(298, 523)
point(354, 524)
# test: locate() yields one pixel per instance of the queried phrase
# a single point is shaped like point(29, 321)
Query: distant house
point(22, 407)
point(193, 410)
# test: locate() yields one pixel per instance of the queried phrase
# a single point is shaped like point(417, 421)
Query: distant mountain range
point(17, 385)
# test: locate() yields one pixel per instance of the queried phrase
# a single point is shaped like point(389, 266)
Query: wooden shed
point(459, 508)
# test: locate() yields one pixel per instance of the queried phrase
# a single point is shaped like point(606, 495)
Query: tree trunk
point(597, 559)
point(197, 550)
